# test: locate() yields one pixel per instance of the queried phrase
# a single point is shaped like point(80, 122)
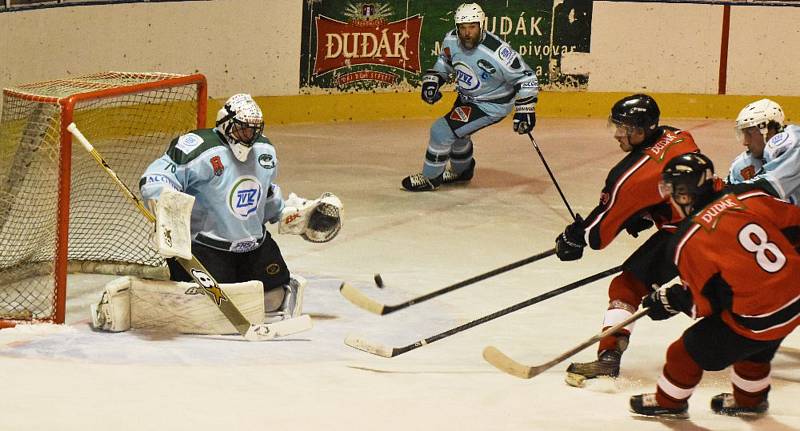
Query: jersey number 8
point(768, 256)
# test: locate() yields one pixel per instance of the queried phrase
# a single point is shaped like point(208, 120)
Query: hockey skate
point(606, 365)
point(292, 303)
point(421, 183)
point(450, 177)
point(725, 404)
point(646, 404)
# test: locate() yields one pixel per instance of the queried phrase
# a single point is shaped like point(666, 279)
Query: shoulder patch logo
point(244, 196)
point(776, 146)
point(216, 164)
point(266, 161)
point(188, 142)
point(461, 113)
point(506, 55)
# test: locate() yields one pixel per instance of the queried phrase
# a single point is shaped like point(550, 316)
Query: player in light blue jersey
point(491, 78)
point(772, 158)
point(230, 170)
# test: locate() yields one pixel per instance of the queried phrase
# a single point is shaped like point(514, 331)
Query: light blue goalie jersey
point(233, 199)
point(780, 166)
point(492, 72)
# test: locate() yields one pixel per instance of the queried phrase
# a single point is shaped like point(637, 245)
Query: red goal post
point(59, 212)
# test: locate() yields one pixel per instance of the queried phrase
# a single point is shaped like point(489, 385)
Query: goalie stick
point(360, 300)
point(250, 332)
point(390, 352)
point(504, 363)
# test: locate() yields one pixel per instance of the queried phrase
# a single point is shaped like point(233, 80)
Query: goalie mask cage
point(61, 212)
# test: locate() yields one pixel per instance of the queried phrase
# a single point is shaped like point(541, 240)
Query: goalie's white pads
point(317, 220)
point(173, 219)
point(134, 303)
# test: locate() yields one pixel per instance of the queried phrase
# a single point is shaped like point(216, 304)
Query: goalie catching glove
point(317, 220)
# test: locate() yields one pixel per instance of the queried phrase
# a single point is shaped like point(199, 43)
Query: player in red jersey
point(740, 271)
point(629, 201)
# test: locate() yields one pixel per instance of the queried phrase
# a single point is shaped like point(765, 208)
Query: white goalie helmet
point(241, 122)
point(469, 12)
point(759, 114)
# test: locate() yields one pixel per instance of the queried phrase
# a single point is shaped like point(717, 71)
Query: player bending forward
point(772, 156)
point(740, 272)
point(629, 201)
point(491, 79)
point(230, 171)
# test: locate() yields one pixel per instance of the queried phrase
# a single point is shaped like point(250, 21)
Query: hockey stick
point(390, 352)
point(533, 141)
point(200, 274)
point(363, 301)
point(503, 363)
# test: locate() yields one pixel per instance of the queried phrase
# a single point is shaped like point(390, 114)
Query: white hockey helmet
point(241, 122)
point(759, 114)
point(469, 12)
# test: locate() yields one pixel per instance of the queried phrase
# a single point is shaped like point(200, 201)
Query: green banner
point(386, 45)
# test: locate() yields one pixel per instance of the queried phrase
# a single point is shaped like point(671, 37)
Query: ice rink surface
point(71, 378)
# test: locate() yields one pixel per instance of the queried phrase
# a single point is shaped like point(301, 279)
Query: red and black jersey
point(736, 259)
point(631, 188)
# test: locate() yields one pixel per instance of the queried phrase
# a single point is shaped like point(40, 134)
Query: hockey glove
point(430, 87)
point(570, 244)
point(668, 301)
point(524, 115)
point(636, 225)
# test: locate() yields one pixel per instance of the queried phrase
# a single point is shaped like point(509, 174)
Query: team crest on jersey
point(216, 164)
point(266, 161)
point(188, 142)
point(244, 196)
point(486, 66)
point(461, 113)
point(710, 216)
point(748, 172)
point(466, 78)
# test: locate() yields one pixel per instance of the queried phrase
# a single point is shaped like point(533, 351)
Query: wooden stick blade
point(504, 363)
point(364, 345)
point(357, 298)
point(283, 328)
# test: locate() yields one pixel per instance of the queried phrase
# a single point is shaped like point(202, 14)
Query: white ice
point(71, 378)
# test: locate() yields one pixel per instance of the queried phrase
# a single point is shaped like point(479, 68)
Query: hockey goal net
point(59, 211)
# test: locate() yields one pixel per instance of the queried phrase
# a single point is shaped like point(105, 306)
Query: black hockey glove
point(524, 115)
point(570, 244)
point(668, 301)
point(430, 87)
point(636, 225)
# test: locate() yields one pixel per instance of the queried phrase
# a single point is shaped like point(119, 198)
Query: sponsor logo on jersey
point(710, 216)
point(188, 142)
point(658, 150)
point(486, 66)
point(243, 246)
point(244, 196)
point(466, 78)
point(266, 161)
point(506, 54)
point(461, 113)
point(216, 164)
point(156, 179)
point(776, 146)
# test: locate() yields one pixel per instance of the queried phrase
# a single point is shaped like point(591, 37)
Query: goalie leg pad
point(113, 312)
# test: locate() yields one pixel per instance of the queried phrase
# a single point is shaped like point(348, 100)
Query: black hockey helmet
point(689, 179)
point(637, 111)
